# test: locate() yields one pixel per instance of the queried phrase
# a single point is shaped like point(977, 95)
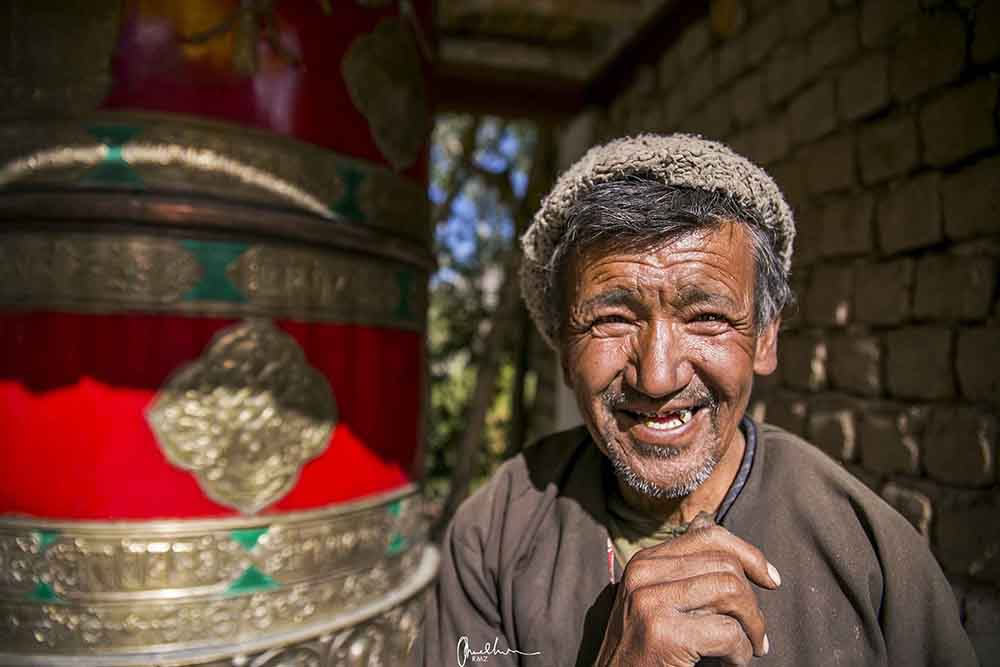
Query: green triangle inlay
point(397, 544)
point(395, 508)
point(214, 258)
point(348, 205)
point(46, 538)
point(248, 538)
point(44, 593)
point(113, 169)
point(251, 581)
point(113, 173)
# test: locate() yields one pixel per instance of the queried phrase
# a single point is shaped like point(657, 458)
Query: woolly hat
point(675, 159)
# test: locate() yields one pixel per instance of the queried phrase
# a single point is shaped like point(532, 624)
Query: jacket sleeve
point(463, 610)
point(919, 613)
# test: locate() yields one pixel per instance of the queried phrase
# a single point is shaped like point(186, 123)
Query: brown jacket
point(525, 565)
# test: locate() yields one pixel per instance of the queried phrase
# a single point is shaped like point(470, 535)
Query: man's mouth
point(664, 421)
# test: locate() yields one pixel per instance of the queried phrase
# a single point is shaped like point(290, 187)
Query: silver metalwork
point(124, 589)
point(386, 84)
point(170, 153)
point(109, 273)
point(379, 631)
point(246, 416)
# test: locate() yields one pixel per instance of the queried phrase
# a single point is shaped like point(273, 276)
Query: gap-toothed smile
point(664, 421)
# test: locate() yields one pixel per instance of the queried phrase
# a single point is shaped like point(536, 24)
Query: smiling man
point(672, 527)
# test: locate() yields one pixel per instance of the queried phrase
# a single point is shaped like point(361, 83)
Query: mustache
point(616, 399)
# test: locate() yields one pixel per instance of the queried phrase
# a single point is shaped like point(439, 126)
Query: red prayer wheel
point(212, 309)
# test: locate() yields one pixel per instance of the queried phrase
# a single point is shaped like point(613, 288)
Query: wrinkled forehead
point(722, 247)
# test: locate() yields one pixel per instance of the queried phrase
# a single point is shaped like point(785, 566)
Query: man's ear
point(766, 357)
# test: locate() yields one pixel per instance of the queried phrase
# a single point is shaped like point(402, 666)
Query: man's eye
point(709, 317)
point(610, 323)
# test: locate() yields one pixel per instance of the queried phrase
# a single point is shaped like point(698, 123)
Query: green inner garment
point(631, 531)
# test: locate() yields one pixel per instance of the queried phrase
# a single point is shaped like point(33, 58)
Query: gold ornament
point(246, 416)
point(386, 84)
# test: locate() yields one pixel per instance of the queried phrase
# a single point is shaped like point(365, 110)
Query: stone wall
point(879, 121)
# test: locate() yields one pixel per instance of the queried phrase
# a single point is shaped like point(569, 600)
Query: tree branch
point(459, 172)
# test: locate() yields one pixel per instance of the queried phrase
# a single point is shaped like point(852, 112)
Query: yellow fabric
point(631, 531)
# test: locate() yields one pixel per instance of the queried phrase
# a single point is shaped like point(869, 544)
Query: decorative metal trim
point(94, 562)
point(386, 500)
point(246, 416)
point(161, 152)
point(378, 631)
point(304, 281)
point(386, 84)
point(145, 273)
point(163, 155)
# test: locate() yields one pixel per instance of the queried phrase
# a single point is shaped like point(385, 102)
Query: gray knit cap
point(674, 159)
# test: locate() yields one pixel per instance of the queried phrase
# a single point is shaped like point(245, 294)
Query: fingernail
point(767, 645)
point(773, 573)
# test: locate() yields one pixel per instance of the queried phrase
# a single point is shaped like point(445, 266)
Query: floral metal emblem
point(385, 82)
point(246, 416)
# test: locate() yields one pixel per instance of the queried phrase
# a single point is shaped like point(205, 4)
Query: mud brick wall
point(879, 120)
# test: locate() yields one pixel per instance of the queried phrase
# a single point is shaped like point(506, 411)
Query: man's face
point(660, 347)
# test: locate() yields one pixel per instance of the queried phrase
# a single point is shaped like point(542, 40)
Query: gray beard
point(683, 487)
point(643, 486)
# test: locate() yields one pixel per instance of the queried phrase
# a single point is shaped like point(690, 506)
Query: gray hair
point(638, 213)
point(680, 160)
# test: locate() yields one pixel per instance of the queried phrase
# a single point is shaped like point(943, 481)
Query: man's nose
point(660, 364)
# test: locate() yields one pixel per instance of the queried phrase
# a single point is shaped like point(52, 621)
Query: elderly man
point(673, 528)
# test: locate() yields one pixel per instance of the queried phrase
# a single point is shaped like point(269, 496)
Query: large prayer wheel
point(213, 270)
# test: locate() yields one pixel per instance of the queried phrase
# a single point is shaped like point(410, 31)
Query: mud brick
point(959, 123)
point(950, 287)
point(978, 364)
point(918, 363)
point(913, 505)
point(910, 216)
point(888, 148)
point(855, 364)
point(930, 53)
point(882, 292)
point(960, 446)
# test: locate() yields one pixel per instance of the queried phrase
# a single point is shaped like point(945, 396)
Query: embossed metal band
point(379, 632)
point(174, 153)
point(68, 586)
point(90, 561)
point(111, 273)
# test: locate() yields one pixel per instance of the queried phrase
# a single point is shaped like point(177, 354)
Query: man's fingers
point(716, 636)
point(642, 572)
point(709, 594)
point(700, 580)
point(717, 538)
point(723, 594)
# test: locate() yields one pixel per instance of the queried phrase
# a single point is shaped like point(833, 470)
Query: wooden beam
point(645, 46)
point(515, 56)
point(613, 12)
point(506, 92)
point(499, 89)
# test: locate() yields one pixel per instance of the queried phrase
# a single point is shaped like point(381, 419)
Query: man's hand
point(690, 598)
